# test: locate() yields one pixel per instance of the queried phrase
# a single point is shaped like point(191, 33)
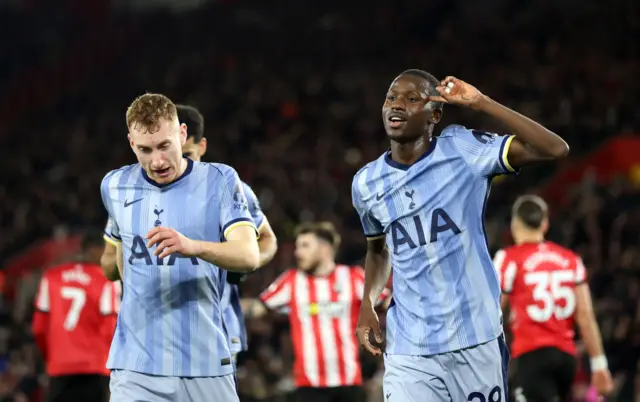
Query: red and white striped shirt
point(323, 313)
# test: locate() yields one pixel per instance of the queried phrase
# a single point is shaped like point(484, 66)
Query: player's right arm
point(112, 261)
point(276, 297)
point(532, 142)
point(109, 259)
point(588, 326)
point(377, 268)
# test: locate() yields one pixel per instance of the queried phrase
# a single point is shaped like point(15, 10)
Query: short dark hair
point(431, 79)
point(91, 238)
point(531, 210)
point(323, 230)
point(192, 117)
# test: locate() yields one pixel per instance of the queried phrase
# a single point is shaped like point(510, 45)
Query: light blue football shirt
point(171, 319)
point(446, 295)
point(232, 310)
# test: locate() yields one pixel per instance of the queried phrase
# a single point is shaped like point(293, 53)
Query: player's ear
point(544, 226)
point(183, 134)
point(436, 115)
point(203, 146)
point(130, 140)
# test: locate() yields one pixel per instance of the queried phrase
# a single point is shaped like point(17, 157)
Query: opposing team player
point(546, 286)
point(322, 299)
point(181, 225)
point(73, 324)
point(421, 205)
point(195, 148)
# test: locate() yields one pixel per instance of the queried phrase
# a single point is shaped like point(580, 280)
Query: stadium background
point(291, 93)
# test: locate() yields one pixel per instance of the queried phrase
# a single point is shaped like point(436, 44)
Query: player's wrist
point(196, 248)
point(482, 103)
point(599, 363)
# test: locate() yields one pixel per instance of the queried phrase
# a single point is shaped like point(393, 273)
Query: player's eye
point(413, 99)
point(144, 150)
point(391, 98)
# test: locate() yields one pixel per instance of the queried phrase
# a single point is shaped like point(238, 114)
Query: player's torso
point(432, 215)
point(543, 300)
point(169, 304)
point(76, 323)
point(324, 313)
point(234, 319)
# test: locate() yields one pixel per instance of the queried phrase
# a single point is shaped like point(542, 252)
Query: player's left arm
point(40, 324)
point(506, 269)
point(532, 143)
point(267, 243)
point(590, 332)
point(238, 253)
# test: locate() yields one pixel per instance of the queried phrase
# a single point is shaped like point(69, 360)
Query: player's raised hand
point(603, 382)
point(456, 92)
point(170, 241)
point(367, 322)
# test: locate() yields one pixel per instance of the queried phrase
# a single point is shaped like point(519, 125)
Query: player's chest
point(322, 298)
point(423, 197)
point(145, 209)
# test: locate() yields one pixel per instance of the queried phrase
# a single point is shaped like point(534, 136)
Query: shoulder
point(248, 191)
point(55, 271)
point(115, 175)
point(362, 176)
point(457, 133)
point(215, 170)
point(282, 279)
point(503, 255)
point(356, 270)
point(565, 252)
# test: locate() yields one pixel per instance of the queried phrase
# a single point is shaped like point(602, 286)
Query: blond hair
point(147, 111)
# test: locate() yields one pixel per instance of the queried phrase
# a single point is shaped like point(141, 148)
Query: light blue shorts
point(476, 374)
point(130, 386)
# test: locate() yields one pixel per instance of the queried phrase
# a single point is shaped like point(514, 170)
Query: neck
point(529, 236)
point(324, 268)
point(409, 152)
point(183, 167)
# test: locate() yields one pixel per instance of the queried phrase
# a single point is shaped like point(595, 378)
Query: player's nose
point(398, 104)
point(157, 161)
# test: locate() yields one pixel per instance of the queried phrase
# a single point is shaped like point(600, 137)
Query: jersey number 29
point(78, 299)
point(549, 289)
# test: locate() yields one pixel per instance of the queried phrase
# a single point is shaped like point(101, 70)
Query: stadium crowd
point(291, 97)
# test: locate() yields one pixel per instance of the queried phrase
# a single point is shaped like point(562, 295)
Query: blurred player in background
point(322, 299)
point(195, 148)
point(73, 324)
point(422, 205)
point(546, 286)
point(181, 225)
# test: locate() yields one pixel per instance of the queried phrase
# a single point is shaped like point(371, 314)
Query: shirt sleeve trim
point(375, 236)
point(504, 152)
point(236, 223)
point(111, 240)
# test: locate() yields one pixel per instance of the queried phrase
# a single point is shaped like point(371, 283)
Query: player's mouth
point(162, 173)
point(396, 121)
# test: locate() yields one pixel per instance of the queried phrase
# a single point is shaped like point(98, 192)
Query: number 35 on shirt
point(539, 280)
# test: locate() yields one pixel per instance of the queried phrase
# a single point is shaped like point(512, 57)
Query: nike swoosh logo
point(379, 196)
point(127, 203)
